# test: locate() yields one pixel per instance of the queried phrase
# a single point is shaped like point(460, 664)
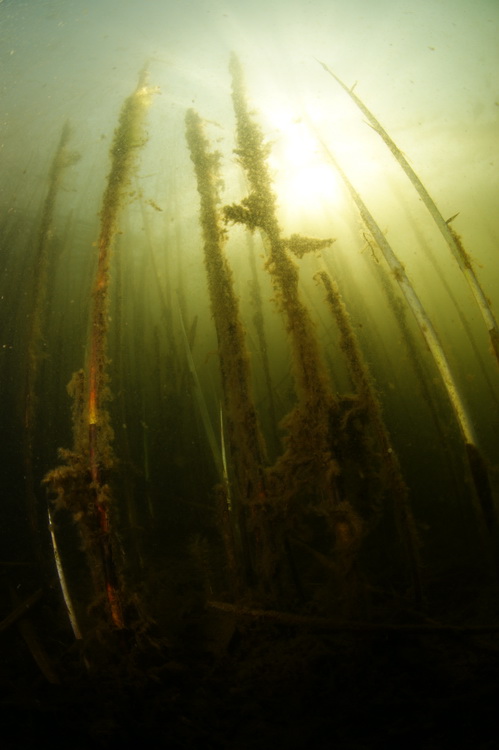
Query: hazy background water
point(429, 71)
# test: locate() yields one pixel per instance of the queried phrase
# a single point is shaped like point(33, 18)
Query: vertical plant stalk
point(201, 402)
point(259, 323)
point(128, 139)
point(245, 442)
point(369, 400)
point(82, 485)
point(450, 236)
point(309, 471)
point(258, 211)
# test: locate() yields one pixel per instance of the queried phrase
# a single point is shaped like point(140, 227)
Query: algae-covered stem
point(425, 325)
point(259, 323)
point(476, 464)
point(246, 445)
point(310, 464)
point(365, 387)
point(450, 236)
point(258, 210)
point(128, 138)
point(41, 262)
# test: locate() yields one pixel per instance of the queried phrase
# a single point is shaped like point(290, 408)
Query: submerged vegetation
point(240, 454)
point(81, 485)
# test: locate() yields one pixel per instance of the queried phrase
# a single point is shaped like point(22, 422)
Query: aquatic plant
point(258, 319)
point(62, 159)
point(477, 467)
point(387, 459)
point(317, 474)
point(451, 237)
point(258, 211)
point(82, 484)
point(260, 450)
point(245, 441)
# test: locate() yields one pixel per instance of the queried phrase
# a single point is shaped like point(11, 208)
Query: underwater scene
point(249, 373)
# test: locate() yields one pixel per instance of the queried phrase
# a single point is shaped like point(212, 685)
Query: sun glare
point(304, 180)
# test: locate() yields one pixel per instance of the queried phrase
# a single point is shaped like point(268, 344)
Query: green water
point(305, 516)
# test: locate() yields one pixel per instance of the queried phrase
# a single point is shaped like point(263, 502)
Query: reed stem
point(476, 465)
point(450, 236)
point(245, 441)
point(82, 485)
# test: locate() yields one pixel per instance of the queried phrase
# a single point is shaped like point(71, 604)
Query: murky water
point(284, 390)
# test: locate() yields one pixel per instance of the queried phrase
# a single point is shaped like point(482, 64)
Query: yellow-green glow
point(304, 181)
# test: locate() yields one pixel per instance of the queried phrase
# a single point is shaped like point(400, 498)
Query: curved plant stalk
point(63, 159)
point(476, 464)
point(62, 580)
point(425, 325)
point(259, 323)
point(450, 236)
